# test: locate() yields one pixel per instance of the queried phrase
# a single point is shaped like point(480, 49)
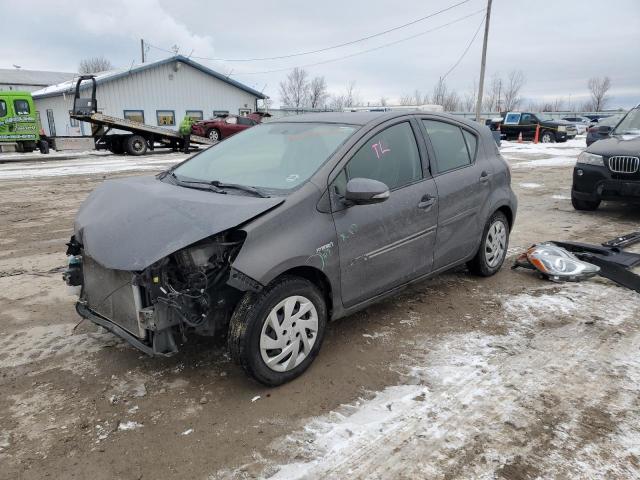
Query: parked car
point(267, 236)
point(223, 127)
point(581, 123)
point(610, 169)
point(525, 123)
point(602, 129)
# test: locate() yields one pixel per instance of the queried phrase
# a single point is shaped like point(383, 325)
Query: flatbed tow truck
point(142, 137)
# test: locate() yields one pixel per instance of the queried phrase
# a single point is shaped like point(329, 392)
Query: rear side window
point(3, 108)
point(390, 156)
point(449, 145)
point(21, 107)
point(245, 121)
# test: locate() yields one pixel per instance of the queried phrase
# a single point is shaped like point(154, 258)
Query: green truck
point(18, 121)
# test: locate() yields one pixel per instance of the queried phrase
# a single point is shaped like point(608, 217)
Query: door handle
point(426, 201)
point(484, 176)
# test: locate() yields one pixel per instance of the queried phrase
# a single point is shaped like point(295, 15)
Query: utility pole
point(142, 49)
point(484, 61)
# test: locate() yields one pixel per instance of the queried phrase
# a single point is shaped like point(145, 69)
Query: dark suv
point(267, 236)
point(609, 169)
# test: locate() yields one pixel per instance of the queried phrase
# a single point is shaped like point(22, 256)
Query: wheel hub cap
point(495, 244)
point(289, 333)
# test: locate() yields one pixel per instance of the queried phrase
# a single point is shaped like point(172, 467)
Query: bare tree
point(406, 99)
point(383, 101)
point(493, 98)
point(470, 98)
point(598, 88)
point(352, 97)
point(512, 88)
point(318, 93)
point(441, 95)
point(294, 90)
point(94, 65)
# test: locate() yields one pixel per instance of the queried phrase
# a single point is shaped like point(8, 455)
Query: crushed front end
point(155, 308)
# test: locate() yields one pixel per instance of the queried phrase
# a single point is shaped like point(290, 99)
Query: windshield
point(273, 156)
point(629, 124)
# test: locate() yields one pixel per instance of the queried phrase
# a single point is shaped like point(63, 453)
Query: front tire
point(547, 137)
point(586, 205)
point(493, 247)
point(214, 135)
point(276, 334)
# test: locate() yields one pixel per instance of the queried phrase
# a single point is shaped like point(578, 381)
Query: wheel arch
point(508, 212)
point(315, 276)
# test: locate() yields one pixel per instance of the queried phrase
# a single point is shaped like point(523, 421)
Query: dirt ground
point(458, 377)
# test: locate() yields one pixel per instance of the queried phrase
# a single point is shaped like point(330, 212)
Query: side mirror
point(365, 191)
point(605, 129)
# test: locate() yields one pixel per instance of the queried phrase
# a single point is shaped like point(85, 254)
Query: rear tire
point(493, 247)
point(585, 205)
point(253, 340)
point(135, 145)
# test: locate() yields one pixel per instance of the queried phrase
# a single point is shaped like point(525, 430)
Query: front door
point(389, 243)
point(463, 188)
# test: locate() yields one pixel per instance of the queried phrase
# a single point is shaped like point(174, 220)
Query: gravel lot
point(458, 377)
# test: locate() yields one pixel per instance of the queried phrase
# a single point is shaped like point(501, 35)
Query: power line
point(352, 42)
point(364, 51)
point(465, 50)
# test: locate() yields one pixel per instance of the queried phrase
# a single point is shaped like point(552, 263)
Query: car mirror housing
point(366, 191)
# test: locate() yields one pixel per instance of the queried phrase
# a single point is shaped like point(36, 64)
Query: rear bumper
point(596, 183)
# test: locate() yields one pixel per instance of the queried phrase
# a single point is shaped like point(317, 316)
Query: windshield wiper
point(245, 188)
point(192, 184)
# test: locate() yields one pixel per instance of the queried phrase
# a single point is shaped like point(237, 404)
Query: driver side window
point(389, 156)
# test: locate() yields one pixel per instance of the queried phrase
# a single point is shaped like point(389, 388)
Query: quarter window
point(3, 108)
point(449, 145)
point(21, 107)
point(166, 117)
point(472, 142)
point(134, 115)
point(390, 156)
point(245, 121)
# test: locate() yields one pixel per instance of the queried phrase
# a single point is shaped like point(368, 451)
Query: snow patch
point(130, 425)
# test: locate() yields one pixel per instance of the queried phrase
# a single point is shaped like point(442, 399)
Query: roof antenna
point(131, 67)
point(189, 56)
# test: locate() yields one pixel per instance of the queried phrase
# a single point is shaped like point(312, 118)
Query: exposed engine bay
point(184, 292)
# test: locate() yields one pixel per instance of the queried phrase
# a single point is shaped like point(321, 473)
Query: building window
point(134, 115)
point(220, 113)
point(243, 112)
point(73, 122)
point(195, 115)
point(166, 118)
point(21, 107)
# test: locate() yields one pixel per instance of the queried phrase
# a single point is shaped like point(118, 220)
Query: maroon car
point(223, 127)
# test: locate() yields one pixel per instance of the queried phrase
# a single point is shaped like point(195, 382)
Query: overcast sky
point(558, 45)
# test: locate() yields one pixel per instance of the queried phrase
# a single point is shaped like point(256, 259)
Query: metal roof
point(68, 86)
point(36, 78)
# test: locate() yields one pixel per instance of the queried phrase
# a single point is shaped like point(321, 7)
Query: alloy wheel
point(213, 135)
point(495, 243)
point(289, 333)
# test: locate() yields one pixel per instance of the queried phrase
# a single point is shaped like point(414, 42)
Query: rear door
point(389, 243)
point(528, 124)
point(463, 187)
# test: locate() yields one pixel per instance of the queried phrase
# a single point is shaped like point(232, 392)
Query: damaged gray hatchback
point(270, 234)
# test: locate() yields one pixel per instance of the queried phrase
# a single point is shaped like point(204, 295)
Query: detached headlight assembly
point(590, 159)
point(559, 264)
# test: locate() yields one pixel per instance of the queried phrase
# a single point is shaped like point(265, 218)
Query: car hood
point(617, 145)
point(130, 223)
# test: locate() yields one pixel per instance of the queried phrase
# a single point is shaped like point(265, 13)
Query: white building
point(156, 93)
point(17, 79)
